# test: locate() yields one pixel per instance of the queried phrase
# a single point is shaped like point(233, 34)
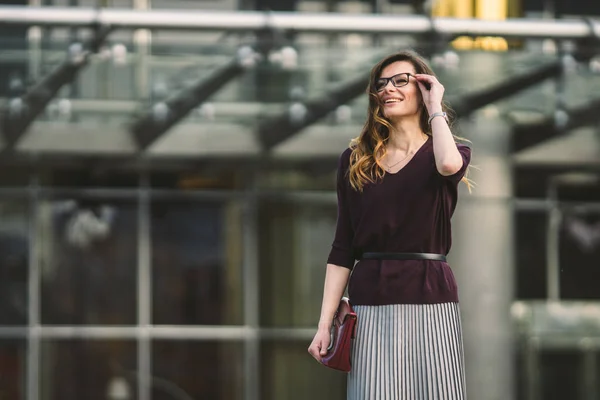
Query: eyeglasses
point(397, 80)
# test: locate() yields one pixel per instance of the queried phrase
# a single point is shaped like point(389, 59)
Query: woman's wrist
point(324, 325)
point(439, 115)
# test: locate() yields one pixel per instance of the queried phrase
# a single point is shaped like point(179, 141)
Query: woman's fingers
point(430, 80)
point(426, 78)
point(431, 89)
point(323, 349)
point(319, 345)
point(314, 351)
point(422, 87)
point(318, 350)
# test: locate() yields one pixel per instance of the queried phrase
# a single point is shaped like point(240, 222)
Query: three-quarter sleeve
point(342, 253)
point(465, 152)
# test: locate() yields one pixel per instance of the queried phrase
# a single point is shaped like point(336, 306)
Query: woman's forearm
point(336, 279)
point(447, 158)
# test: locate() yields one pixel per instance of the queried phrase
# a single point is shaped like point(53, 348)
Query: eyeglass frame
point(390, 79)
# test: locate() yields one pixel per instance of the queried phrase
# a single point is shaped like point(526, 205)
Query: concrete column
point(482, 259)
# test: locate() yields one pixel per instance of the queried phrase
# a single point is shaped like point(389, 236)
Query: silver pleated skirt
point(407, 352)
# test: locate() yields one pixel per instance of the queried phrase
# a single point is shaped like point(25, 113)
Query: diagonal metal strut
point(277, 129)
point(511, 86)
point(164, 115)
point(22, 111)
point(527, 135)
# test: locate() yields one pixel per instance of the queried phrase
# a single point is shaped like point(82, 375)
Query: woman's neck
point(406, 135)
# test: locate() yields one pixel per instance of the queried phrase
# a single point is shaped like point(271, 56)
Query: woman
point(397, 190)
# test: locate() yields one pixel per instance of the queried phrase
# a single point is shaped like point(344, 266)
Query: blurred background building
point(167, 193)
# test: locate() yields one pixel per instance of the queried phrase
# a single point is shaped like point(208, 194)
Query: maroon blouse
point(408, 211)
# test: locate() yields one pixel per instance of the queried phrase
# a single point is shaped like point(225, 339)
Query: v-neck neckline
point(411, 159)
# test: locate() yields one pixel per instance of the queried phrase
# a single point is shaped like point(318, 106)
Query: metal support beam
point(304, 22)
point(164, 115)
point(513, 85)
point(300, 115)
point(22, 111)
point(527, 135)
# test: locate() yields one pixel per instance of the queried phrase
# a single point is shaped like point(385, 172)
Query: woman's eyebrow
point(385, 77)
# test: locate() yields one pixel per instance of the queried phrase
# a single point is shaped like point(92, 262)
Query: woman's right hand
point(318, 347)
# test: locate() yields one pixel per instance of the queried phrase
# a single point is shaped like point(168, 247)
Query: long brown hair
point(369, 148)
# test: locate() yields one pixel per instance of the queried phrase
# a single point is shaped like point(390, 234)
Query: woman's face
point(399, 102)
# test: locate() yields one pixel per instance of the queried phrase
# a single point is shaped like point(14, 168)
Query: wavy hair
point(369, 149)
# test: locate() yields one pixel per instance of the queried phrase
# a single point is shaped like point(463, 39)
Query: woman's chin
point(395, 115)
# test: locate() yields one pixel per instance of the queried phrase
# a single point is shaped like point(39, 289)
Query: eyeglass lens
point(397, 80)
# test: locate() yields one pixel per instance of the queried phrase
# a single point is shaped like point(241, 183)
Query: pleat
point(407, 352)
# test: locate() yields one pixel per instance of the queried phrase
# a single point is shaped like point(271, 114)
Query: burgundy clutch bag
point(343, 330)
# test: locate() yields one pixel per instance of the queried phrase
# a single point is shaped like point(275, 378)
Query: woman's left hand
point(432, 97)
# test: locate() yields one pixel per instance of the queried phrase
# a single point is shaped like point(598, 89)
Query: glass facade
point(88, 268)
point(197, 261)
point(99, 279)
point(194, 268)
point(83, 368)
point(13, 367)
point(208, 369)
point(14, 242)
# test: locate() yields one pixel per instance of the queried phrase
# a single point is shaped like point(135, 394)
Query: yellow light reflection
point(492, 10)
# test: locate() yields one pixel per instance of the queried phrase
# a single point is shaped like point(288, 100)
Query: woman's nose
point(389, 86)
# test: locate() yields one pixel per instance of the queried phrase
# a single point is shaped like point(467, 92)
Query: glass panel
point(13, 67)
point(197, 370)
point(560, 374)
point(123, 82)
point(294, 241)
point(530, 258)
point(14, 261)
point(113, 91)
point(579, 254)
point(579, 243)
point(14, 177)
point(90, 370)
point(12, 369)
point(196, 262)
point(89, 261)
point(289, 372)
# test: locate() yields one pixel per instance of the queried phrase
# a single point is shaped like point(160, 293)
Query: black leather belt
point(403, 256)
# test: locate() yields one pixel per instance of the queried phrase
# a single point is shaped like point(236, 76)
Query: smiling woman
point(397, 189)
point(391, 97)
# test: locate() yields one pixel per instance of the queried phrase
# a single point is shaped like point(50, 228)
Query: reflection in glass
point(579, 251)
point(289, 372)
point(196, 259)
point(201, 370)
point(12, 68)
point(14, 260)
point(12, 369)
point(89, 262)
point(86, 369)
point(294, 242)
